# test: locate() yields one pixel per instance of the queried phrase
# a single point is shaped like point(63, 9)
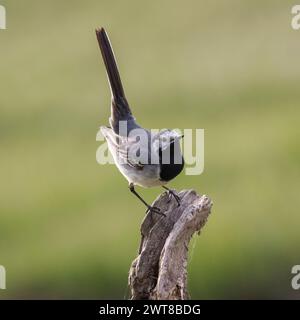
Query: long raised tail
point(120, 108)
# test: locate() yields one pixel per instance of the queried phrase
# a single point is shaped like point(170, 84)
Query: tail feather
point(110, 64)
point(120, 108)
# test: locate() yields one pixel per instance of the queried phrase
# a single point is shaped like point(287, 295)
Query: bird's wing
point(124, 148)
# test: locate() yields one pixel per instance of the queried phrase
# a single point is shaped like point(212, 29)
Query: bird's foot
point(173, 194)
point(154, 210)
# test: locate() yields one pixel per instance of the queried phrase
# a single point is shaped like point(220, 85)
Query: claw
point(155, 210)
point(176, 197)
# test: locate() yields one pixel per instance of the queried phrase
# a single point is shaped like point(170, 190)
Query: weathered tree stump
point(160, 270)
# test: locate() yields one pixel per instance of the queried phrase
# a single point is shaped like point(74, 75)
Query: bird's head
point(166, 137)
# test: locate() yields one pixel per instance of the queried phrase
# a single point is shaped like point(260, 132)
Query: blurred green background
point(69, 228)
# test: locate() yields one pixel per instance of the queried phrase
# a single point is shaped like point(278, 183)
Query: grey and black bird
point(141, 162)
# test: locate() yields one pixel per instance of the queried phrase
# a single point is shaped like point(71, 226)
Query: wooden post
point(160, 270)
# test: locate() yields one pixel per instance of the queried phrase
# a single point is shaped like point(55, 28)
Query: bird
point(141, 161)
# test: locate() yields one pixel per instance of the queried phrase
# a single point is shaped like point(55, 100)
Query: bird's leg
point(149, 208)
point(172, 193)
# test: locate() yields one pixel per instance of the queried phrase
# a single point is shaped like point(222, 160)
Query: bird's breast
point(171, 169)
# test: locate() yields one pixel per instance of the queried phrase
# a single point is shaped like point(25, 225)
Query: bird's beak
point(178, 137)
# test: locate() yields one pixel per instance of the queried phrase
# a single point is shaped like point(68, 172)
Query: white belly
point(147, 177)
